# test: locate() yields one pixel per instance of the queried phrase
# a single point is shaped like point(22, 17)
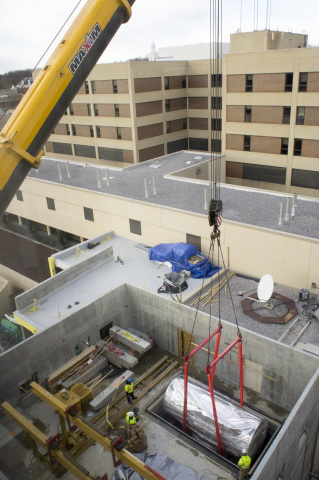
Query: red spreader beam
point(210, 369)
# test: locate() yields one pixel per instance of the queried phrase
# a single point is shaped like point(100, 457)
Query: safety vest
point(130, 420)
point(129, 388)
point(244, 461)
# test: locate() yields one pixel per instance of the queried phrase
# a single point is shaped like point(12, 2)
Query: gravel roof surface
point(239, 283)
point(243, 205)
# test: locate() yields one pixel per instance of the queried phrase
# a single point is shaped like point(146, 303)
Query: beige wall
point(8, 280)
point(249, 250)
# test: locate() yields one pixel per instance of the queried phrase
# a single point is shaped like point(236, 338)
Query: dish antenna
point(265, 288)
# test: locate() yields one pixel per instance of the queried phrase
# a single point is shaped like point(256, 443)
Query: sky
point(28, 27)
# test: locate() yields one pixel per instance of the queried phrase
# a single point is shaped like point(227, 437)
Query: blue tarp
point(178, 254)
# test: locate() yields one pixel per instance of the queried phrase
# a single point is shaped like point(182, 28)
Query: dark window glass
point(93, 87)
point(288, 83)
point(67, 129)
point(166, 83)
point(284, 146)
point(303, 81)
point(217, 80)
point(135, 227)
point(98, 131)
point(116, 110)
point(184, 84)
point(91, 131)
point(71, 109)
point(217, 124)
point(50, 203)
point(263, 173)
point(246, 143)
point(184, 123)
point(87, 87)
point(19, 196)
point(298, 147)
point(184, 103)
point(248, 114)
point(114, 84)
point(217, 103)
point(286, 115)
point(300, 119)
point(73, 130)
point(168, 127)
point(96, 110)
point(84, 151)
point(88, 214)
point(89, 109)
point(167, 105)
point(249, 83)
point(305, 179)
point(119, 133)
point(216, 145)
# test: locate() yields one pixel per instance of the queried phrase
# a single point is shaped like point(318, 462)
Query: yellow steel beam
point(124, 455)
point(41, 439)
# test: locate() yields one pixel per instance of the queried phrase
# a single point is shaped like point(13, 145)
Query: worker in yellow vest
point(244, 465)
point(129, 390)
point(130, 418)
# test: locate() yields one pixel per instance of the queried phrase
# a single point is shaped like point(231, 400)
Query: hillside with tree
point(13, 78)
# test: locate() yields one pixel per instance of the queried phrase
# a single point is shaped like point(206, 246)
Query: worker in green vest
point(244, 465)
point(129, 390)
point(130, 418)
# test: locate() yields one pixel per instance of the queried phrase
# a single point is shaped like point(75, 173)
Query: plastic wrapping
point(240, 429)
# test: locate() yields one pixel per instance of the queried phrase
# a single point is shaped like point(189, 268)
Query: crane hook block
point(215, 213)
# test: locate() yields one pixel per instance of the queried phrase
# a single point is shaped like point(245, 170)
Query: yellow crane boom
point(38, 113)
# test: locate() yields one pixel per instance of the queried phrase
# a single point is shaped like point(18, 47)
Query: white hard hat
point(130, 414)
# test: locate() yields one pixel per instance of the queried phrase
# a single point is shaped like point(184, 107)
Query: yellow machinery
point(40, 110)
point(79, 395)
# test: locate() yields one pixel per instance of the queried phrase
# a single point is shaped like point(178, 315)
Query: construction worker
point(244, 465)
point(129, 390)
point(130, 418)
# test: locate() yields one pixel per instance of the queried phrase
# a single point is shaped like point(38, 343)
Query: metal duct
point(240, 428)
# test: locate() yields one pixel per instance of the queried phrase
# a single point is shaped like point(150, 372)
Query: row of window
point(303, 82)
point(216, 81)
point(300, 116)
point(284, 145)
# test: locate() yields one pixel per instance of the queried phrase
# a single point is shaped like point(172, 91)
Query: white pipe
point(98, 178)
point(287, 217)
point(154, 185)
point(281, 214)
point(60, 174)
point(68, 169)
point(146, 187)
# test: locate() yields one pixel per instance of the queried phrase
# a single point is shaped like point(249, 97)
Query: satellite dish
point(265, 288)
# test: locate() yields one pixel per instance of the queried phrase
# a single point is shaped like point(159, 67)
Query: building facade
point(130, 112)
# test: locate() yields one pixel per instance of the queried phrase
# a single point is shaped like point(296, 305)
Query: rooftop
point(242, 205)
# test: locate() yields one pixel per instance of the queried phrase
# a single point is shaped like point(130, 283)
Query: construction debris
point(210, 294)
point(137, 441)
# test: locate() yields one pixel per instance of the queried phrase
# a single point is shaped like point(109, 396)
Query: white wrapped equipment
point(240, 429)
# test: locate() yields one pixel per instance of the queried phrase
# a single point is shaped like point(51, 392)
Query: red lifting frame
point(188, 356)
point(210, 369)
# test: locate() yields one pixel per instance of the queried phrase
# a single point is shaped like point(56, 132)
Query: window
point(247, 143)
point(168, 127)
point(91, 131)
point(288, 83)
point(217, 103)
point(19, 196)
point(249, 83)
point(114, 84)
point(303, 80)
point(194, 240)
point(116, 109)
point(298, 147)
point(73, 130)
point(284, 146)
point(217, 124)
point(167, 105)
point(184, 123)
point(93, 86)
point(217, 80)
point(96, 110)
point(184, 103)
point(166, 83)
point(98, 131)
point(87, 87)
point(248, 114)
point(184, 84)
point(88, 214)
point(300, 120)
point(89, 108)
point(118, 133)
point(286, 115)
point(71, 110)
point(67, 129)
point(50, 203)
point(135, 227)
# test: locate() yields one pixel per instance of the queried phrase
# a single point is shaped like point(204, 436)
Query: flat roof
point(243, 205)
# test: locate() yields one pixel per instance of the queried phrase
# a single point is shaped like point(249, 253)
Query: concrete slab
point(116, 387)
point(136, 343)
point(125, 360)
